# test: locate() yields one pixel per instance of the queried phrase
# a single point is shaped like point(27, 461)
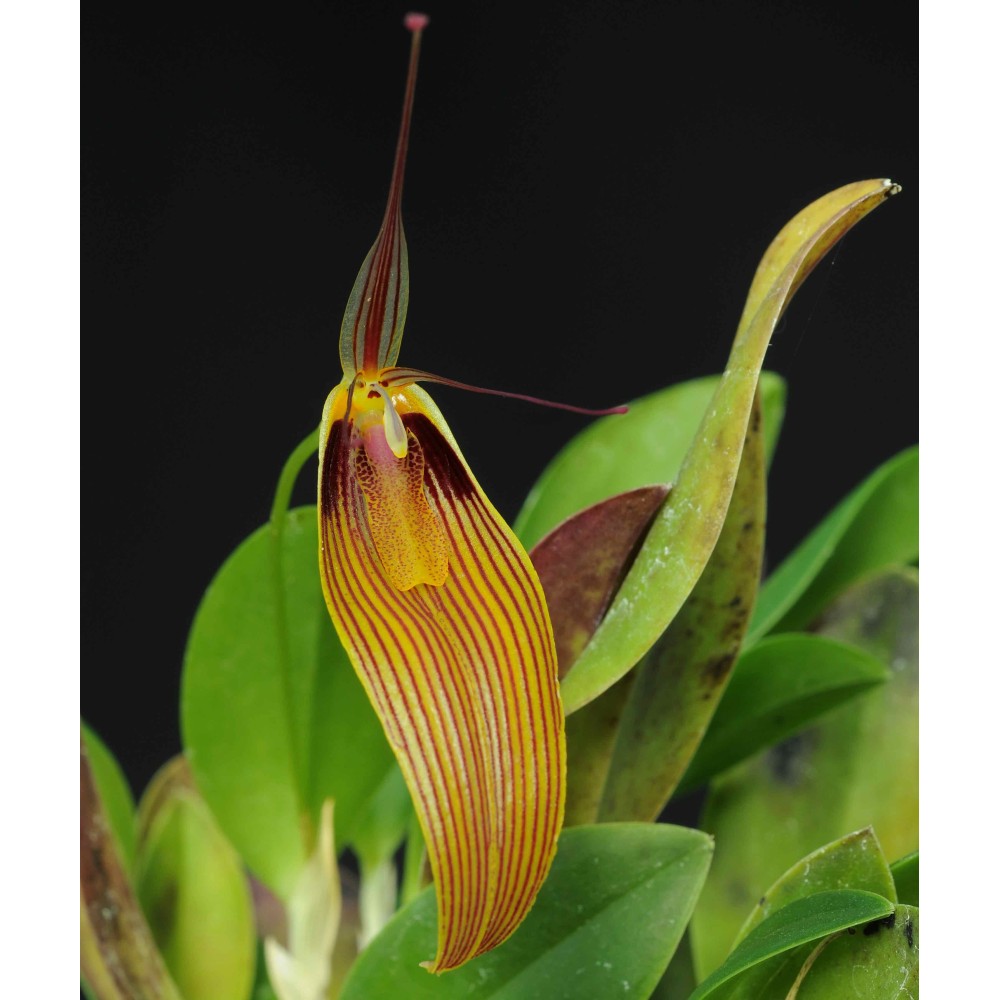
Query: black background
point(590, 188)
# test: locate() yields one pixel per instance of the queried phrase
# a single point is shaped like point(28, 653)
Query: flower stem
point(413, 862)
point(279, 509)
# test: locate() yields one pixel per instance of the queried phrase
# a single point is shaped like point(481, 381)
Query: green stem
point(413, 862)
point(304, 450)
point(279, 508)
point(376, 898)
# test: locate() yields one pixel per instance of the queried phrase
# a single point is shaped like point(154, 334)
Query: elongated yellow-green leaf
point(629, 747)
point(685, 533)
point(679, 682)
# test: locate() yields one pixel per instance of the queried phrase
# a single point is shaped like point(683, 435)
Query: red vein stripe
point(463, 677)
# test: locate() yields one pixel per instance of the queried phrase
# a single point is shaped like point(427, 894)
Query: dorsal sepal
point(376, 309)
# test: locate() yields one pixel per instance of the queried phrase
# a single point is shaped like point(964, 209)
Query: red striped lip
point(463, 677)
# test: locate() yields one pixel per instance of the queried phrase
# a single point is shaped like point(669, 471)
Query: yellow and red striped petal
point(445, 622)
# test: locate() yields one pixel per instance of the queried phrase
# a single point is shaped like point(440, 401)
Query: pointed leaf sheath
point(445, 622)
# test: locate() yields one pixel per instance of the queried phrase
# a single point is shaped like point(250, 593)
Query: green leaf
point(116, 796)
point(872, 528)
point(882, 617)
point(852, 862)
point(906, 875)
point(678, 981)
point(882, 962)
point(263, 991)
point(643, 447)
point(778, 686)
point(685, 532)
point(194, 893)
point(855, 768)
point(118, 958)
point(581, 563)
point(800, 922)
point(678, 684)
point(605, 924)
point(235, 710)
point(273, 717)
point(772, 979)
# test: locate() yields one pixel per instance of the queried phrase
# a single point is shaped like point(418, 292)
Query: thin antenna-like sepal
point(408, 376)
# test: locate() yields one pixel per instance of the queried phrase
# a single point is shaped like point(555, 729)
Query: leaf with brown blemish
point(855, 861)
point(679, 682)
point(780, 685)
point(582, 562)
point(880, 961)
point(629, 747)
point(803, 922)
point(857, 767)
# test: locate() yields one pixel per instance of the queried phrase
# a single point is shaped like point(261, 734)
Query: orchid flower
point(440, 611)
